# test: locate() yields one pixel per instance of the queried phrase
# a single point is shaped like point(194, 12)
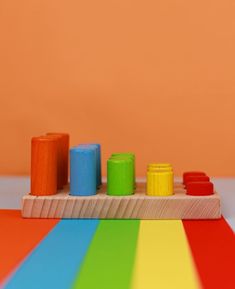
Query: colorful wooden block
point(85, 197)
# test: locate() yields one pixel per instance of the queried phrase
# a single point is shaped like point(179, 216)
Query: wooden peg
point(63, 158)
point(43, 166)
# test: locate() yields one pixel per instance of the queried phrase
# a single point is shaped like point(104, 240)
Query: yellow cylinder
point(159, 167)
point(156, 169)
point(160, 183)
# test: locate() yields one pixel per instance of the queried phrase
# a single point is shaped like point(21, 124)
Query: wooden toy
point(120, 198)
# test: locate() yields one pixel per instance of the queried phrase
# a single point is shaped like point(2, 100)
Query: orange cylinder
point(43, 166)
point(63, 158)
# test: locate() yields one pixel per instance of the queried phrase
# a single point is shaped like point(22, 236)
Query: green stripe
point(110, 259)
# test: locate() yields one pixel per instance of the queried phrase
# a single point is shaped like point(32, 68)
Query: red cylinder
point(63, 158)
point(196, 173)
point(43, 166)
point(190, 179)
point(200, 188)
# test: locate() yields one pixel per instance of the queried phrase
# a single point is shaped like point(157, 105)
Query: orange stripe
point(19, 237)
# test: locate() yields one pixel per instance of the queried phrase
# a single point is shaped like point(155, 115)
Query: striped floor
point(117, 254)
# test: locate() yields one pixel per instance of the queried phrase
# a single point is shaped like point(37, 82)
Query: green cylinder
point(129, 155)
point(133, 164)
point(132, 155)
point(120, 177)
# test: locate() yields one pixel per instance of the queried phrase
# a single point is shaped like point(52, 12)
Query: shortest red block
point(187, 174)
point(190, 179)
point(200, 188)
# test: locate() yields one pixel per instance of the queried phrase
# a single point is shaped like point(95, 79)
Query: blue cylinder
point(98, 165)
point(83, 170)
point(98, 162)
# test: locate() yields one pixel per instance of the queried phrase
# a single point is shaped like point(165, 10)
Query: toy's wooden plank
point(137, 206)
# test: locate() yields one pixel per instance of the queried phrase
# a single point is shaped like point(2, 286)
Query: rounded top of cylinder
point(44, 138)
point(120, 157)
point(159, 167)
point(83, 149)
point(119, 160)
point(128, 154)
point(58, 133)
point(90, 144)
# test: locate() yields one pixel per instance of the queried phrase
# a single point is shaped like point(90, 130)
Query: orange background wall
point(153, 77)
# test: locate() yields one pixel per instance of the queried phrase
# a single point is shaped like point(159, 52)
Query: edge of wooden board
point(137, 206)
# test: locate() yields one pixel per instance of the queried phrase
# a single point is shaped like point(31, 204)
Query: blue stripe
point(56, 261)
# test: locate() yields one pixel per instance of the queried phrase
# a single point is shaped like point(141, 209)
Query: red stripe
point(213, 247)
point(18, 238)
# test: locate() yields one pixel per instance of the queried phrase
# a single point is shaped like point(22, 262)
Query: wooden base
point(137, 206)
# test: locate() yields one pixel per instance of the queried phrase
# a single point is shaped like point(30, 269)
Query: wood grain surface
point(137, 206)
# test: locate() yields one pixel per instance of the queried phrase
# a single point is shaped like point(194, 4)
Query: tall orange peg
point(63, 158)
point(43, 166)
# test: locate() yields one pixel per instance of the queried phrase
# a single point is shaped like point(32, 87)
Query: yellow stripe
point(163, 257)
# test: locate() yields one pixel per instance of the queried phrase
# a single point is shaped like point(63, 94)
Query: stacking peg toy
point(44, 166)
point(121, 197)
